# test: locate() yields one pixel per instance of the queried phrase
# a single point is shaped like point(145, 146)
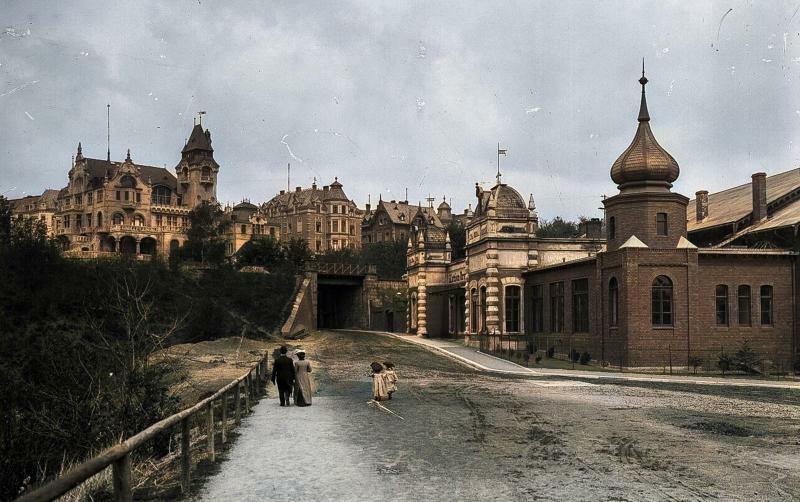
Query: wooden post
point(247, 389)
point(122, 480)
point(237, 398)
point(224, 418)
point(211, 455)
point(186, 456)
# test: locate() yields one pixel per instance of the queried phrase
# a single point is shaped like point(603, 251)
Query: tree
point(297, 252)
point(558, 228)
point(206, 242)
point(264, 252)
point(458, 238)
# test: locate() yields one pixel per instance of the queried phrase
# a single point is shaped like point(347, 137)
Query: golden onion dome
point(644, 162)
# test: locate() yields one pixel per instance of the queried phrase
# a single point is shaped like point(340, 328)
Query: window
point(744, 305)
point(721, 302)
point(319, 246)
point(661, 223)
point(580, 305)
point(612, 227)
point(127, 182)
point(335, 225)
point(557, 307)
point(66, 221)
point(319, 227)
point(613, 302)
point(244, 229)
point(473, 310)
point(662, 301)
point(537, 308)
point(90, 198)
point(272, 231)
point(161, 195)
point(127, 195)
point(138, 197)
point(99, 219)
point(512, 309)
point(99, 195)
point(138, 220)
point(483, 308)
point(118, 219)
point(766, 305)
point(159, 220)
point(118, 195)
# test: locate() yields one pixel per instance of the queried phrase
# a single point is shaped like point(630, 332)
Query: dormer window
point(127, 182)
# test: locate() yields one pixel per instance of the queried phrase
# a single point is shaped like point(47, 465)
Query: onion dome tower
point(645, 207)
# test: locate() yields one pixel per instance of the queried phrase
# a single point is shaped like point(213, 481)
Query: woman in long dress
point(302, 382)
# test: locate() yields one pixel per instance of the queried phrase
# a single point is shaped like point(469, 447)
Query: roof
point(733, 204)
point(98, 169)
point(198, 140)
point(633, 242)
point(644, 160)
point(505, 200)
point(307, 197)
point(402, 213)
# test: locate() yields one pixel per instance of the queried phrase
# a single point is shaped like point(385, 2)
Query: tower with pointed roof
point(645, 206)
point(197, 171)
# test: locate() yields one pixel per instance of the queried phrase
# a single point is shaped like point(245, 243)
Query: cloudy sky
point(389, 95)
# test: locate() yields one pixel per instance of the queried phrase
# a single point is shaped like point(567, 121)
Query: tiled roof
point(733, 204)
point(198, 140)
point(98, 168)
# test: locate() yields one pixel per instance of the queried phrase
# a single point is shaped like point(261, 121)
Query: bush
point(574, 356)
point(551, 352)
point(695, 362)
point(585, 358)
point(725, 362)
point(746, 359)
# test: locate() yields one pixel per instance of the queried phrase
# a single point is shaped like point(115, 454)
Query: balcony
point(130, 204)
point(183, 178)
point(206, 179)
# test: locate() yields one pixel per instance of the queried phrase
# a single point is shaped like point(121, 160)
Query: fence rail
point(352, 269)
point(248, 386)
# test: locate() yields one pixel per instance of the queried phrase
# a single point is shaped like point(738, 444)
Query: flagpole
point(498, 162)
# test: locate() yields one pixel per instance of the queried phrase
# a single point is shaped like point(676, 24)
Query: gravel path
point(472, 436)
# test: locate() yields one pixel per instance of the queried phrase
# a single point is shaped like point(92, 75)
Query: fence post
point(186, 456)
point(237, 398)
point(122, 479)
point(211, 453)
point(247, 393)
point(224, 417)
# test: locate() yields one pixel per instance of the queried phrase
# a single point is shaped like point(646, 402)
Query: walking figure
point(302, 380)
point(379, 385)
point(283, 375)
point(391, 378)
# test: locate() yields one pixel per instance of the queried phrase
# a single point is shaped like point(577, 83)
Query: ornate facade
point(325, 218)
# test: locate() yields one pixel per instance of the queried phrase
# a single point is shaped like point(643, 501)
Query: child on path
point(379, 383)
point(391, 378)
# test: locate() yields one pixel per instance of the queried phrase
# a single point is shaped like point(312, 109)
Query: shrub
point(746, 359)
point(695, 362)
point(551, 352)
point(585, 358)
point(574, 356)
point(725, 362)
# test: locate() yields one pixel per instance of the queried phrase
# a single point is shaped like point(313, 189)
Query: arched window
point(99, 219)
point(473, 310)
point(483, 308)
point(721, 304)
point(766, 305)
point(661, 223)
point(118, 219)
point(138, 220)
point(161, 195)
point(744, 305)
point(127, 182)
point(662, 301)
point(206, 173)
point(512, 299)
point(612, 227)
point(613, 302)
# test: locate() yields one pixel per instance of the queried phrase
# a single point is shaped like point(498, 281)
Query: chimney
point(592, 229)
point(368, 207)
point(283, 192)
point(759, 196)
point(701, 199)
point(298, 189)
point(325, 188)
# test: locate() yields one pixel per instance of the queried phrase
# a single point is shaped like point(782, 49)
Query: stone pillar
point(492, 293)
point(138, 246)
point(116, 245)
point(467, 314)
point(408, 312)
point(422, 301)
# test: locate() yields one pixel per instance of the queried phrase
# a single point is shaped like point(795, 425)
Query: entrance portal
point(339, 306)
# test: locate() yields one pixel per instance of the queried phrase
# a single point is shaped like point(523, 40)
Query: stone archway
point(108, 244)
point(127, 245)
point(174, 245)
point(148, 246)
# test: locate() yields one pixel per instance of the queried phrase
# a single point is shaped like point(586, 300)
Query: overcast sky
point(393, 95)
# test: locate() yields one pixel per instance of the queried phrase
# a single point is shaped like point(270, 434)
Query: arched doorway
point(147, 246)
point(174, 245)
point(108, 244)
point(127, 245)
point(99, 219)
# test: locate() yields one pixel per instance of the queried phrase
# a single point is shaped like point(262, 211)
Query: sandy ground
point(468, 436)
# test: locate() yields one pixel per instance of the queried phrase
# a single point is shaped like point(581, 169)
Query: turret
point(197, 170)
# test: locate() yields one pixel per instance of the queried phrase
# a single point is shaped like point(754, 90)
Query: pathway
point(489, 363)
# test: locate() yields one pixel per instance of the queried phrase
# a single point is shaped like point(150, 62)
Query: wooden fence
point(247, 387)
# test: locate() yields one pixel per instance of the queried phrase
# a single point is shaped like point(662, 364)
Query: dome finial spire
point(644, 115)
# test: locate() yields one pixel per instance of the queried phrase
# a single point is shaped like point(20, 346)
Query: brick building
point(647, 298)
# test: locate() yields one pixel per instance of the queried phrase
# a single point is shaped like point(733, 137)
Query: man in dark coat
point(283, 375)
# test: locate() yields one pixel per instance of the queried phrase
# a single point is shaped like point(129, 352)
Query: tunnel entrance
point(339, 304)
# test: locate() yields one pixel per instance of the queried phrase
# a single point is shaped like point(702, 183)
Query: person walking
point(302, 382)
point(283, 375)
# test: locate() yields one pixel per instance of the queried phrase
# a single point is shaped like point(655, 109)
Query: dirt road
point(468, 436)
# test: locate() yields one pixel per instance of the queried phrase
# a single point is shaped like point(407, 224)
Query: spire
point(644, 116)
point(128, 157)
